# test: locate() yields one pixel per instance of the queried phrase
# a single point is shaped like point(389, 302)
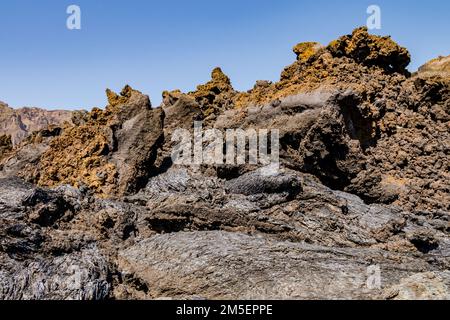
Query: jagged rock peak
point(216, 95)
point(350, 60)
point(115, 99)
point(127, 97)
point(305, 50)
point(171, 97)
point(219, 83)
point(371, 50)
point(218, 76)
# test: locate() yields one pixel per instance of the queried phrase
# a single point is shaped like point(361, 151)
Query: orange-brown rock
point(109, 152)
point(5, 145)
point(385, 138)
point(372, 50)
point(350, 62)
point(305, 50)
point(363, 183)
point(349, 113)
point(216, 95)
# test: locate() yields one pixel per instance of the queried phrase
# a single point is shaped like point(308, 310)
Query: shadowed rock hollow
point(95, 208)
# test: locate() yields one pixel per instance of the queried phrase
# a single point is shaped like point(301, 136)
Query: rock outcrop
point(421, 286)
point(108, 152)
point(5, 145)
point(238, 266)
point(98, 207)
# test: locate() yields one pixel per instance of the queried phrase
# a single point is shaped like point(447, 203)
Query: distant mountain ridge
point(19, 123)
point(439, 66)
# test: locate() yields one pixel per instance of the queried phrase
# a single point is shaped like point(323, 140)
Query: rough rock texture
point(5, 145)
point(217, 265)
point(109, 151)
point(37, 259)
point(27, 155)
point(20, 123)
point(156, 243)
point(363, 186)
point(372, 50)
point(215, 95)
point(421, 286)
point(351, 115)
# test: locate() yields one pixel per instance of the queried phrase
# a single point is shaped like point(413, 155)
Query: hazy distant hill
point(19, 123)
point(439, 66)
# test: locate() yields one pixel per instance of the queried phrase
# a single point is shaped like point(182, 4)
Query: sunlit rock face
point(95, 208)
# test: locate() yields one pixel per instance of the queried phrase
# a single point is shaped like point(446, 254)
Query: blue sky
point(159, 45)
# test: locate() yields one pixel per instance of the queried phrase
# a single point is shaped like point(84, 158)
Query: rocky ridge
point(97, 210)
point(20, 123)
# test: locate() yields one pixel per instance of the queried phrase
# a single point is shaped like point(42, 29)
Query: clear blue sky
point(159, 45)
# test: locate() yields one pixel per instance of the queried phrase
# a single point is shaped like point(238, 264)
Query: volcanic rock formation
point(96, 209)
